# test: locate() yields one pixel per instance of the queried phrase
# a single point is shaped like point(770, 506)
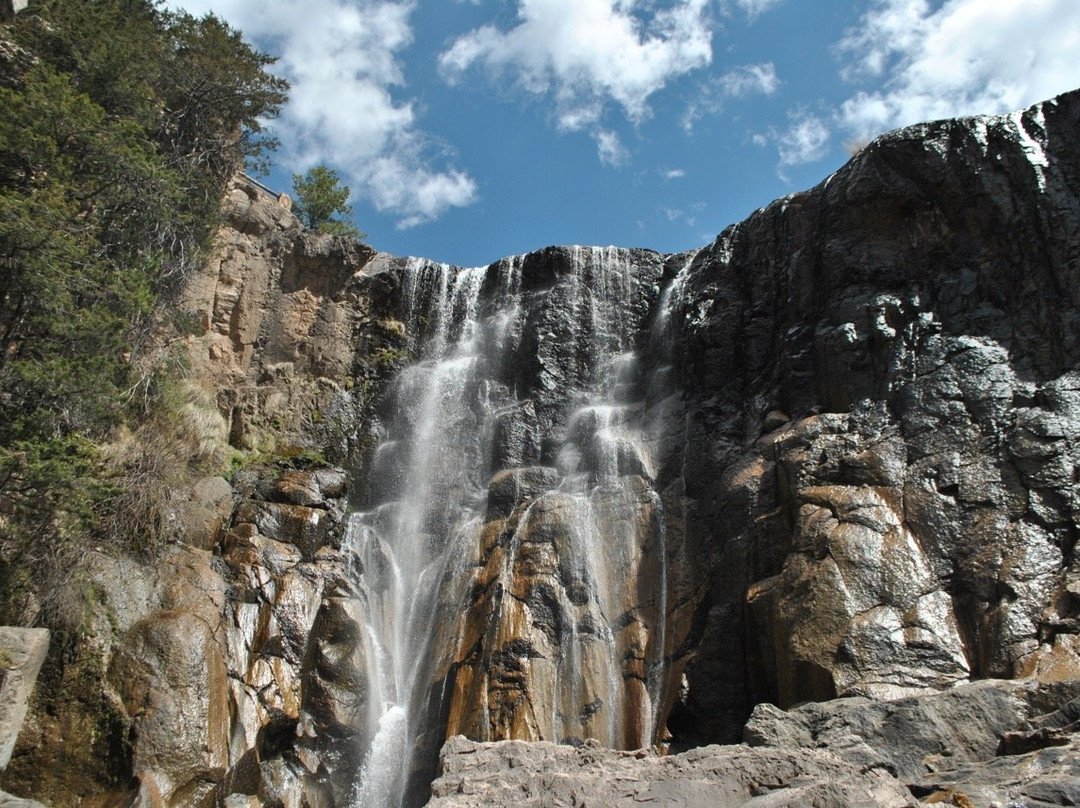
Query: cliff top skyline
point(473, 129)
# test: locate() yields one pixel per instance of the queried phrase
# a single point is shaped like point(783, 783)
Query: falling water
point(417, 540)
point(408, 541)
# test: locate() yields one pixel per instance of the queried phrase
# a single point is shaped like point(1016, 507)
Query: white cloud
point(586, 55)
point(804, 141)
point(342, 58)
point(736, 83)
point(965, 57)
point(919, 60)
point(688, 217)
point(673, 173)
point(609, 148)
point(741, 81)
point(753, 8)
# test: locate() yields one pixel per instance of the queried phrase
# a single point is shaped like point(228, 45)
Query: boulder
point(989, 743)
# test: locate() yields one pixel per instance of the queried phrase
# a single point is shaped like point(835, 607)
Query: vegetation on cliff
point(322, 202)
point(122, 123)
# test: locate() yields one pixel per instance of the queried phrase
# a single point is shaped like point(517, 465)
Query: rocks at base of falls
point(986, 744)
point(992, 742)
point(544, 775)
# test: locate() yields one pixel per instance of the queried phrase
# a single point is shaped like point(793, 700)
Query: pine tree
point(321, 200)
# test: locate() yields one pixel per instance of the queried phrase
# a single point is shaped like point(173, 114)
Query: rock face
point(219, 650)
point(511, 536)
point(884, 387)
point(280, 317)
point(218, 661)
point(595, 493)
point(836, 451)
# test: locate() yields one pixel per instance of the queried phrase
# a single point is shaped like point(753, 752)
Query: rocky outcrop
point(984, 744)
point(280, 319)
point(22, 650)
point(543, 775)
point(199, 665)
point(884, 461)
point(981, 745)
point(217, 647)
point(9, 8)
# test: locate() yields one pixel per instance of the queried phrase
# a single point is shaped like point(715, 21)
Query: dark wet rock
point(914, 524)
point(313, 489)
point(306, 529)
point(512, 487)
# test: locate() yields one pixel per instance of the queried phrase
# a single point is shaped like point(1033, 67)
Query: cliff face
point(602, 493)
point(913, 523)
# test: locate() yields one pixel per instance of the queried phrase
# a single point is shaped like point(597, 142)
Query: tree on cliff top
point(321, 200)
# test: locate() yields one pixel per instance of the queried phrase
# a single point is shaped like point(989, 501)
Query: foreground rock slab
point(545, 775)
point(989, 744)
point(22, 651)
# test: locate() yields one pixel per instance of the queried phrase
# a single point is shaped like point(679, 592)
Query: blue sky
point(473, 129)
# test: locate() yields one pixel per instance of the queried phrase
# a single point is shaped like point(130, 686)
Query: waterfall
point(407, 542)
point(512, 551)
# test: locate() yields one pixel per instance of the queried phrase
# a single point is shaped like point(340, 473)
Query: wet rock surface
point(219, 667)
point(883, 434)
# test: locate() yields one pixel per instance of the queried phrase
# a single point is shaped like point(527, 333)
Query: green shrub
point(116, 143)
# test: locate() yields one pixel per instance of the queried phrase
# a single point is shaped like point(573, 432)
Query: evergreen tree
point(116, 141)
point(321, 200)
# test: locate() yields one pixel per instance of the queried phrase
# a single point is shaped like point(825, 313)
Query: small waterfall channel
point(510, 525)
